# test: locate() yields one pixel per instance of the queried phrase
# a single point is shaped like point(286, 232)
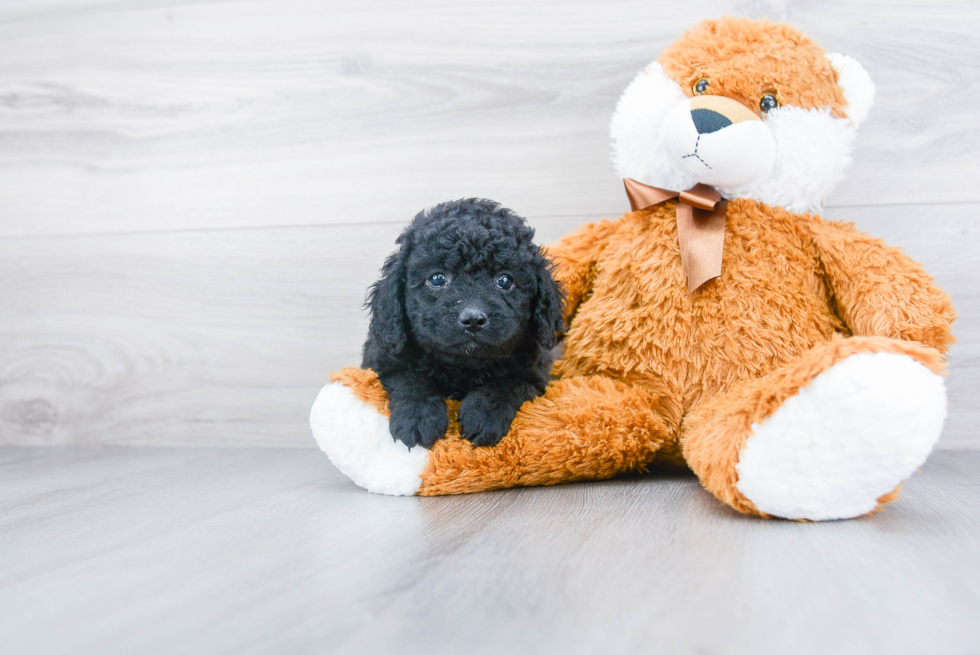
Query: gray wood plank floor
point(237, 550)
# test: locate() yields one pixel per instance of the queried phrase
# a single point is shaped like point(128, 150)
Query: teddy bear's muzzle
point(718, 141)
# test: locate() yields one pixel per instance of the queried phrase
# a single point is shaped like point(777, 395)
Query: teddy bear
point(794, 364)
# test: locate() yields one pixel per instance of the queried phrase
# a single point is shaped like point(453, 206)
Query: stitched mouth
point(695, 153)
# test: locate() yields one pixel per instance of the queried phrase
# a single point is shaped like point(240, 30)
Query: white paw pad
point(850, 436)
point(356, 439)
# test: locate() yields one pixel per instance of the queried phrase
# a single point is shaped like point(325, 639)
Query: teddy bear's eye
point(767, 103)
point(436, 280)
point(701, 86)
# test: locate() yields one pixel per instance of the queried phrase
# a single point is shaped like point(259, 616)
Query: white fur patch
point(635, 131)
point(859, 90)
point(812, 147)
point(356, 439)
point(850, 436)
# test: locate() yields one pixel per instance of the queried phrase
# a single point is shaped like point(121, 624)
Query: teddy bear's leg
point(583, 428)
point(830, 436)
point(349, 420)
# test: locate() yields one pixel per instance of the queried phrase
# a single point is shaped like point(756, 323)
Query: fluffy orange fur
point(582, 429)
point(726, 52)
point(650, 371)
point(654, 374)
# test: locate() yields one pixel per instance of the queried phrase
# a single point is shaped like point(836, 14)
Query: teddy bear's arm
point(575, 259)
point(879, 290)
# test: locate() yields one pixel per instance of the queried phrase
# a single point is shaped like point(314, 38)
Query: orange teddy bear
point(794, 364)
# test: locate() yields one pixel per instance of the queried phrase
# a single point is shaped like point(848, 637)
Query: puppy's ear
point(386, 301)
point(547, 314)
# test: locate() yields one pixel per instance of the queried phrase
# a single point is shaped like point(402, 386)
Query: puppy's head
point(753, 108)
point(467, 280)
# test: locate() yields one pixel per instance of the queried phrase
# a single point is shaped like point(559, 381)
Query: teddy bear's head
point(753, 108)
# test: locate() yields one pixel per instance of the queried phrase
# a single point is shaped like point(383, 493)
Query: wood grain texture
point(163, 114)
point(225, 336)
point(198, 550)
point(215, 336)
point(195, 194)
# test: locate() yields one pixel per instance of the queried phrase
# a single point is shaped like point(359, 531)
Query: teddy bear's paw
point(356, 439)
point(852, 435)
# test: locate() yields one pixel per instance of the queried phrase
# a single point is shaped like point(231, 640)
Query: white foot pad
point(850, 436)
point(356, 439)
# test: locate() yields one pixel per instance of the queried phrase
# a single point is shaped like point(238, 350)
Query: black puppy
point(465, 309)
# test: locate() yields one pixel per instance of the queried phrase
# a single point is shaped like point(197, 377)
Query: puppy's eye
point(701, 86)
point(504, 282)
point(437, 280)
point(767, 103)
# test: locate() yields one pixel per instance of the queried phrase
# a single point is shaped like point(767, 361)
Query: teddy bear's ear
point(859, 90)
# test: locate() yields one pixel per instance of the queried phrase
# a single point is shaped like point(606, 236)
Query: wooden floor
point(248, 550)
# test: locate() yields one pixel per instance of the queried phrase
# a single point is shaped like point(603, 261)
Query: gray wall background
point(195, 195)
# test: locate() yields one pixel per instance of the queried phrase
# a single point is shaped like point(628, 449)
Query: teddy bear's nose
point(708, 120)
point(713, 113)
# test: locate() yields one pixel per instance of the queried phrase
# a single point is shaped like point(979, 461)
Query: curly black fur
point(470, 338)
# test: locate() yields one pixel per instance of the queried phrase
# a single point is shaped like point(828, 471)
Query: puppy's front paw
point(419, 423)
point(482, 421)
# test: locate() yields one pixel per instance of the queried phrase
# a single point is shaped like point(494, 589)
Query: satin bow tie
point(700, 226)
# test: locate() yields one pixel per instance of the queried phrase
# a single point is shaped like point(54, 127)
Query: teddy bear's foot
point(351, 429)
point(830, 436)
point(856, 432)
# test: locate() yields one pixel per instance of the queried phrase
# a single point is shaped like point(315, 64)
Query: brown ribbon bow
point(700, 226)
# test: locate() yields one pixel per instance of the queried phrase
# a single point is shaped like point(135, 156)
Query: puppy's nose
point(707, 121)
point(472, 319)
